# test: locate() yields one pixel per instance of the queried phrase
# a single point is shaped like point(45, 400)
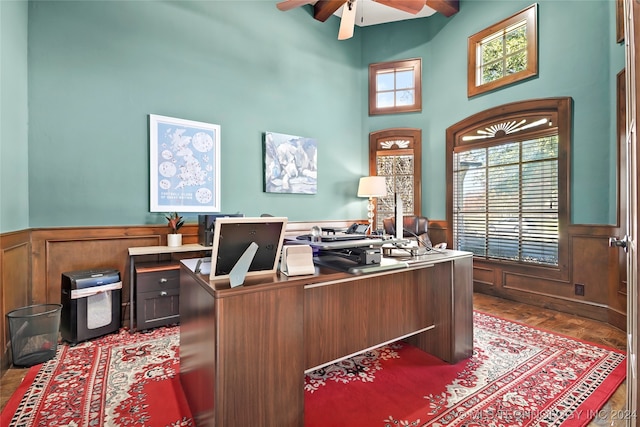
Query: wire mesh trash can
point(34, 333)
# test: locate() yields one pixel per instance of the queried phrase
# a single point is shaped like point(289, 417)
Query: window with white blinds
point(505, 200)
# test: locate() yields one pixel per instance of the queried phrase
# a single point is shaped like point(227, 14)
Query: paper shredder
point(90, 304)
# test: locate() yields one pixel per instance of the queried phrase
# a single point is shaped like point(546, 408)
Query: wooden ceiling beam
point(291, 4)
point(323, 9)
point(445, 7)
point(409, 6)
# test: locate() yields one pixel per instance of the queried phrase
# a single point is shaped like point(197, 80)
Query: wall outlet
point(579, 290)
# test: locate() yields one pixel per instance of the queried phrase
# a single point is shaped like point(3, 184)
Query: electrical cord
point(428, 247)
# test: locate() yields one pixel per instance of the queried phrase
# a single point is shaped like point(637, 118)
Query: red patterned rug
point(518, 376)
point(117, 380)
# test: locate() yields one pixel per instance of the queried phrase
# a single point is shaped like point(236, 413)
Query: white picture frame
point(184, 165)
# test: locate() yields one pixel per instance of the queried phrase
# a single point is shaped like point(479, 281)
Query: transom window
point(504, 53)
point(395, 87)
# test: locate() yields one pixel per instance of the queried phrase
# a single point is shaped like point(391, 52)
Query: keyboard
point(334, 237)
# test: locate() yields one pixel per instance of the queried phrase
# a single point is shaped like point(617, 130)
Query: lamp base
point(370, 214)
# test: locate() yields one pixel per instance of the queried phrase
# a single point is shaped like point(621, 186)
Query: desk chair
point(413, 226)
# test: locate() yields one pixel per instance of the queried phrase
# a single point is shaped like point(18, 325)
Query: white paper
point(192, 264)
point(99, 310)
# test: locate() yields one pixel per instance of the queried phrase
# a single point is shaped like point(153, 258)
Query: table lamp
point(372, 186)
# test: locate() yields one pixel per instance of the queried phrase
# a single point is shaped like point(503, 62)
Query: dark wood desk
point(244, 351)
point(146, 251)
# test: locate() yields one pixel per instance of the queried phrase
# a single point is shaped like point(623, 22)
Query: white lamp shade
point(372, 186)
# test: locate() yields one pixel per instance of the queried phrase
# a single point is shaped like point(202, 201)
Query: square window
point(404, 79)
point(405, 97)
point(504, 53)
point(385, 99)
point(395, 87)
point(384, 81)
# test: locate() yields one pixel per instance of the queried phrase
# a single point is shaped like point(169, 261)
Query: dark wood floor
point(574, 326)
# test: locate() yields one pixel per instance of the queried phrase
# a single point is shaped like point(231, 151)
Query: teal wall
point(14, 178)
point(97, 69)
point(616, 64)
point(578, 57)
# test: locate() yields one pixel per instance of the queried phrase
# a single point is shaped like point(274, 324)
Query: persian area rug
point(117, 380)
point(517, 376)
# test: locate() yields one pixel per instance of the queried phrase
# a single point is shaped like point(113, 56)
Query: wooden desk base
point(244, 351)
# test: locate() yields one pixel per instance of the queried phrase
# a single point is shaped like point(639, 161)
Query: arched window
point(508, 177)
point(397, 155)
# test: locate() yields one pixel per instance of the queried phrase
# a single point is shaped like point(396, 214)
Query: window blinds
point(506, 200)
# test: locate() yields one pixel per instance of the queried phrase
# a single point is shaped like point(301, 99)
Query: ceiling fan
point(348, 17)
point(348, 20)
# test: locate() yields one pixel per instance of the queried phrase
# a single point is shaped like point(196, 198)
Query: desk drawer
point(158, 308)
point(160, 280)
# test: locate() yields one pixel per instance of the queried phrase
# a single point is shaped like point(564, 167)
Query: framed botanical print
point(184, 165)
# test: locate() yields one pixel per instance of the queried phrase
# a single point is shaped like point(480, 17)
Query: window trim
point(560, 109)
point(374, 69)
point(529, 15)
point(380, 145)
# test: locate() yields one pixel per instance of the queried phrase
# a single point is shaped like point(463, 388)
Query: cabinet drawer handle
point(164, 280)
point(163, 294)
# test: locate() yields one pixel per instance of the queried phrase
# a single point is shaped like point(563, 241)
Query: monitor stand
point(239, 271)
point(399, 217)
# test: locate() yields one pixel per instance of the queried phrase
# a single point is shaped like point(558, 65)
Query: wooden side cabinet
point(157, 295)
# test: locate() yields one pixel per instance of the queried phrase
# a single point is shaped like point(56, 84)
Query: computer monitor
point(205, 226)
point(234, 236)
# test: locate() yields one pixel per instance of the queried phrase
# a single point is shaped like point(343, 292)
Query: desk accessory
point(232, 237)
point(240, 270)
point(359, 255)
point(297, 260)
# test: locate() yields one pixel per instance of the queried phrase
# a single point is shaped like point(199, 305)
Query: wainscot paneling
point(32, 261)
point(483, 276)
point(524, 282)
point(592, 264)
point(15, 256)
point(60, 250)
point(591, 259)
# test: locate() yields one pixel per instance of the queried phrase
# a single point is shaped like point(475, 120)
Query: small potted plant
point(175, 222)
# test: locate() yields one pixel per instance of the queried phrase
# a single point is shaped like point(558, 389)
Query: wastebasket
point(34, 333)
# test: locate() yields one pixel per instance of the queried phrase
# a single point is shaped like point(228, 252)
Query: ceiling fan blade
point(292, 4)
point(348, 20)
point(409, 6)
